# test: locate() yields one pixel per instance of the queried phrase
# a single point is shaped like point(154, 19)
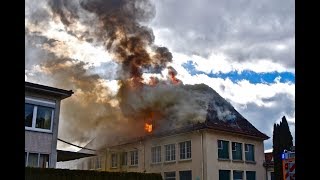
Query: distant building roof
point(47, 90)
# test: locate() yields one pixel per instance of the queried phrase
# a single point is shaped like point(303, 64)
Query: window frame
point(171, 152)
point(171, 177)
point(114, 160)
point(247, 150)
point(135, 156)
point(234, 149)
point(254, 172)
point(185, 157)
point(38, 158)
point(242, 173)
point(40, 103)
point(155, 154)
point(220, 143)
point(225, 170)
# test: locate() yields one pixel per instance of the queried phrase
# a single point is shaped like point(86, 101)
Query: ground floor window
point(185, 175)
point(170, 175)
point(237, 175)
point(224, 174)
point(36, 160)
point(251, 175)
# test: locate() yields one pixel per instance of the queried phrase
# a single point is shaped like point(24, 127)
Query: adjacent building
point(42, 108)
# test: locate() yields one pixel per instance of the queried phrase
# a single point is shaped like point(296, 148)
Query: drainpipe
point(202, 163)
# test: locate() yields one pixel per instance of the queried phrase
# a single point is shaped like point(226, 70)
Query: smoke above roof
point(95, 109)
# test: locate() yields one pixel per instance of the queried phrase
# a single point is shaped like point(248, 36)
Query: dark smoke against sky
point(94, 109)
point(78, 48)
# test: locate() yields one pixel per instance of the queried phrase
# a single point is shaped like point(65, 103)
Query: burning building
point(220, 145)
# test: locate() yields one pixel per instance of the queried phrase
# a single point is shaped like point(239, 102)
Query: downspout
point(202, 163)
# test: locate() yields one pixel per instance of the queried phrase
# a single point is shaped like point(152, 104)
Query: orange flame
point(148, 127)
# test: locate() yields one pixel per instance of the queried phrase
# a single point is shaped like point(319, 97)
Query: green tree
point(282, 140)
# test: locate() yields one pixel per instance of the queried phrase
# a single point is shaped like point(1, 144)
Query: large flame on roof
point(148, 127)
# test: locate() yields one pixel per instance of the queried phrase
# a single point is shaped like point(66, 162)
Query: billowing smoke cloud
point(95, 109)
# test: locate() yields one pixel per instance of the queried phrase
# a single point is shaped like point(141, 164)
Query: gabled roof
point(47, 90)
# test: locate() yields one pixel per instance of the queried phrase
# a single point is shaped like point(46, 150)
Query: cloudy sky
point(244, 49)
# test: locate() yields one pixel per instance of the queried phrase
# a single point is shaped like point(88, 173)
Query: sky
point(244, 50)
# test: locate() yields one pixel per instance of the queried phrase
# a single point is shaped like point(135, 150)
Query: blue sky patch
point(251, 76)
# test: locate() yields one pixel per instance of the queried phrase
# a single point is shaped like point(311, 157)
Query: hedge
point(67, 174)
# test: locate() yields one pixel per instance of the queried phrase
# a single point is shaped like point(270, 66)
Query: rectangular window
point(185, 150)
point(28, 115)
point(170, 175)
point(38, 117)
point(156, 154)
point(224, 174)
point(170, 152)
point(114, 160)
point(251, 175)
point(134, 158)
point(185, 175)
point(124, 157)
point(44, 116)
point(36, 160)
point(236, 151)
point(249, 152)
point(25, 158)
point(98, 162)
point(237, 175)
point(223, 149)
point(44, 161)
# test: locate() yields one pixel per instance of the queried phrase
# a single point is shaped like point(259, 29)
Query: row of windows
point(170, 152)
point(36, 160)
point(183, 175)
point(124, 158)
point(237, 175)
point(223, 150)
point(95, 163)
point(38, 117)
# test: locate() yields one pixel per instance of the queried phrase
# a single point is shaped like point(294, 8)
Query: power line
point(75, 145)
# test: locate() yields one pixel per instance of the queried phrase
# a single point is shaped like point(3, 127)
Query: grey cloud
point(263, 117)
point(206, 25)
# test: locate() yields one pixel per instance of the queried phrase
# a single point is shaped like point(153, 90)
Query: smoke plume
point(95, 109)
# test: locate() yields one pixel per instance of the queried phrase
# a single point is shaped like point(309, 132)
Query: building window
point(134, 158)
point(223, 149)
point(185, 175)
point(224, 174)
point(36, 160)
point(170, 152)
point(114, 160)
point(124, 157)
point(237, 175)
point(236, 151)
point(156, 154)
point(185, 150)
point(251, 175)
point(170, 175)
point(91, 163)
point(98, 162)
point(38, 117)
point(249, 152)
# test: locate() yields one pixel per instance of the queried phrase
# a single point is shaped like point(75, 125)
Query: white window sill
point(38, 130)
point(223, 159)
point(170, 162)
point(133, 166)
point(185, 160)
point(113, 167)
point(156, 163)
